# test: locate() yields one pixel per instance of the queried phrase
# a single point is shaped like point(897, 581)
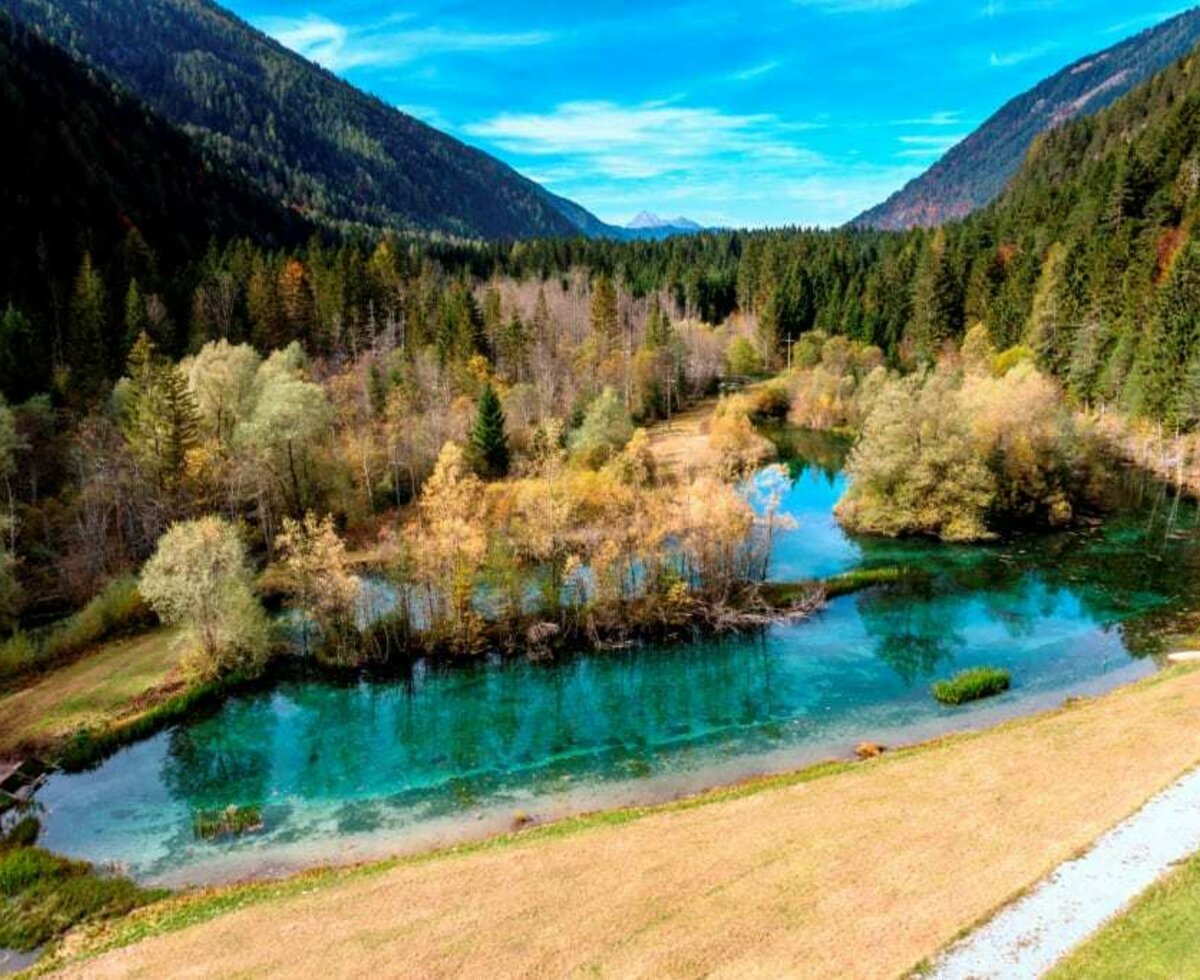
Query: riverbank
point(765, 877)
point(109, 686)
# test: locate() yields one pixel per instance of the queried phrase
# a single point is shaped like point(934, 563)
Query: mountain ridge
point(308, 138)
point(975, 171)
point(649, 221)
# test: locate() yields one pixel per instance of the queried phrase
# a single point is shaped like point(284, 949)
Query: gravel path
point(1034, 933)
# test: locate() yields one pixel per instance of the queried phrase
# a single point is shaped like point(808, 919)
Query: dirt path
point(1035, 932)
point(857, 874)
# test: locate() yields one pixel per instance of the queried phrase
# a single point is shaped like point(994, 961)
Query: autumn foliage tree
point(199, 579)
point(323, 590)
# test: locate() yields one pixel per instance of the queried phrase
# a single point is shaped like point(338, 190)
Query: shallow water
point(347, 772)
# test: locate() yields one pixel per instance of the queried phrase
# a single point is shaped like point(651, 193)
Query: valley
point(406, 570)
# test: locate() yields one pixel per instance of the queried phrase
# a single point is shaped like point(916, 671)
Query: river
point(346, 772)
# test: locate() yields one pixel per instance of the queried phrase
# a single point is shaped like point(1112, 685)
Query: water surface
point(361, 770)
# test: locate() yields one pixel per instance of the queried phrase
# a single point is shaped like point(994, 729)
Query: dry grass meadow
point(862, 872)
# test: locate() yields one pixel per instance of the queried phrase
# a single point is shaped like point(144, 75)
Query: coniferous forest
point(334, 453)
point(1086, 260)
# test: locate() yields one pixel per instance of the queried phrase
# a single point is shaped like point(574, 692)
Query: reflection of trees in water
point(224, 760)
point(805, 450)
point(912, 634)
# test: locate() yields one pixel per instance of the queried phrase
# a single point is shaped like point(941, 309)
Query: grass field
point(1155, 939)
point(97, 689)
point(855, 870)
point(681, 445)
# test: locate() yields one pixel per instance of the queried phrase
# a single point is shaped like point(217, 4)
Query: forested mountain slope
point(90, 170)
point(975, 171)
point(307, 138)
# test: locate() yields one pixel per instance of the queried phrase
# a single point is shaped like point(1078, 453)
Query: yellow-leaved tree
point(450, 544)
point(323, 590)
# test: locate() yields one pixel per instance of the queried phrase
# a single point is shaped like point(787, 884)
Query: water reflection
point(328, 761)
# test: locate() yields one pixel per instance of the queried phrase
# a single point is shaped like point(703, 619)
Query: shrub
point(22, 866)
point(45, 895)
point(972, 685)
point(24, 833)
point(772, 402)
point(743, 359)
point(117, 610)
point(18, 654)
point(606, 430)
point(198, 578)
point(965, 459)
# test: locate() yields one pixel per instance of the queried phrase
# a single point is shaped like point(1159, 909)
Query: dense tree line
point(262, 382)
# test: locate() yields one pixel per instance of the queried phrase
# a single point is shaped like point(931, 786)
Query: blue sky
point(750, 113)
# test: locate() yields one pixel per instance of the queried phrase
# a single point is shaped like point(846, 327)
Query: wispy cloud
point(340, 47)
point(949, 117)
point(621, 158)
point(856, 6)
point(755, 71)
point(647, 139)
point(927, 147)
point(1010, 58)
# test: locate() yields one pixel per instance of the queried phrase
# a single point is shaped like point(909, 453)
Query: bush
point(117, 610)
point(965, 458)
point(45, 895)
point(743, 359)
point(772, 402)
point(24, 833)
point(22, 866)
point(972, 685)
point(605, 430)
point(18, 655)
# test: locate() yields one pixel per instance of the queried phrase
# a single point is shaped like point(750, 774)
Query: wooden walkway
point(19, 780)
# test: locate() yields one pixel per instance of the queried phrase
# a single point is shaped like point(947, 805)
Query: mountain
point(90, 169)
point(975, 171)
point(308, 139)
point(648, 221)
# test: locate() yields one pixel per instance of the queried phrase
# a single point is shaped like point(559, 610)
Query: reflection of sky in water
point(331, 762)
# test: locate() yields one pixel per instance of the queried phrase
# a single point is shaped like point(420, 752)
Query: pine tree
point(513, 348)
point(135, 314)
point(160, 418)
point(19, 374)
point(87, 348)
point(181, 424)
point(604, 312)
point(658, 328)
point(489, 442)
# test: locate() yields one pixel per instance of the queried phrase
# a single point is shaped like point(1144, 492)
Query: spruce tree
point(604, 312)
point(180, 423)
point(135, 313)
point(87, 347)
point(489, 441)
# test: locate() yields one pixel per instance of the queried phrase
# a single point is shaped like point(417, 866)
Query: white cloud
point(755, 71)
point(856, 6)
point(949, 117)
point(675, 158)
point(339, 47)
point(1010, 58)
point(648, 139)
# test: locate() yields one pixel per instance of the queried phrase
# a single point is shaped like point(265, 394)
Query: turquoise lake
point(348, 772)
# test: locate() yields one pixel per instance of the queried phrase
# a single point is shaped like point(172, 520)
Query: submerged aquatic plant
point(233, 821)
